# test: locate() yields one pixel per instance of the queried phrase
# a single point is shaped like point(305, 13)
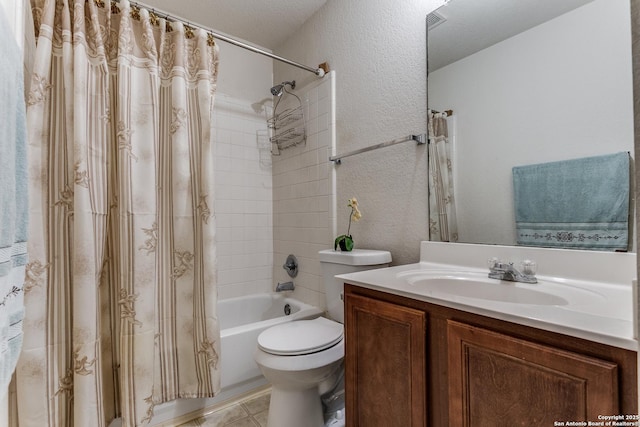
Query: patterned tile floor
point(251, 412)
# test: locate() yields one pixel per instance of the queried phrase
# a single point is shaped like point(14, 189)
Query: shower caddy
point(287, 126)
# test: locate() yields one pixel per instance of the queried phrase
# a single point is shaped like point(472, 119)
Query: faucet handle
point(528, 267)
point(493, 262)
point(291, 266)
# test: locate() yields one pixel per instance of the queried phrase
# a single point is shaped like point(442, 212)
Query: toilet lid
point(300, 337)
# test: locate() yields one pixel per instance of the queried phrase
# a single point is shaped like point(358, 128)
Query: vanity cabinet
point(498, 380)
point(386, 368)
point(412, 363)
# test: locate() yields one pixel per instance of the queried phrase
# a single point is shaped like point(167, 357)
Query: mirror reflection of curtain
point(120, 289)
point(442, 211)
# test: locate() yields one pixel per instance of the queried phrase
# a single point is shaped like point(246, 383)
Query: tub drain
point(287, 309)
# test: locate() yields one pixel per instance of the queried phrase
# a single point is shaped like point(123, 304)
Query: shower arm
point(277, 90)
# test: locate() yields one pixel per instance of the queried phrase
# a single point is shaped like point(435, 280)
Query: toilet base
point(295, 408)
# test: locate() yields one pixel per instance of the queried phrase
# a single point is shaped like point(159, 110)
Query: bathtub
point(241, 321)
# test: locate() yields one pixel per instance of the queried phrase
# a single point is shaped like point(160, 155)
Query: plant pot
point(346, 244)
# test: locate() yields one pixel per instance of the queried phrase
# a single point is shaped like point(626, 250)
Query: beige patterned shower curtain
point(120, 288)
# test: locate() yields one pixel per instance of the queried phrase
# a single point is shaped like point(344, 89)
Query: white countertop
point(590, 309)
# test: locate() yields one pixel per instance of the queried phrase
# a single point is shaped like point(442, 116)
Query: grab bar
point(420, 140)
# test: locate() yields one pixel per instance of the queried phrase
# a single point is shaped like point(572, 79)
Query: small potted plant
point(345, 241)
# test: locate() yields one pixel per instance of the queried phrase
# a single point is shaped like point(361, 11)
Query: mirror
point(528, 81)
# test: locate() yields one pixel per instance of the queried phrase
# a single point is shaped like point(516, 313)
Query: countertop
point(606, 318)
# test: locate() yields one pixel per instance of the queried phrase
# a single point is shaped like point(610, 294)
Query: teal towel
point(580, 203)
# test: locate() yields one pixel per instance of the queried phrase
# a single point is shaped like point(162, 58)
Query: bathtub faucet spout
point(286, 286)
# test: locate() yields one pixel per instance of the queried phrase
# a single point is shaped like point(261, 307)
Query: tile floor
point(251, 412)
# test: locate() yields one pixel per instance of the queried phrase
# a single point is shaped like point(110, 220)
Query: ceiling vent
point(434, 19)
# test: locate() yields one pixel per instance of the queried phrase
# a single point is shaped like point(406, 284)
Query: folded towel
point(13, 202)
point(580, 203)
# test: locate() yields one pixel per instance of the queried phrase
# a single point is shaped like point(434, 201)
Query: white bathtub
point(241, 321)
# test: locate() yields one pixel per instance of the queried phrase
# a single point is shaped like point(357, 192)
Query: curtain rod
point(317, 71)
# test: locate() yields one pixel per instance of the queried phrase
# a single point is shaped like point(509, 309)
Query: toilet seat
point(301, 337)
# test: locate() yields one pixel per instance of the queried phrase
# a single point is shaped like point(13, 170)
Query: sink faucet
point(286, 286)
point(506, 271)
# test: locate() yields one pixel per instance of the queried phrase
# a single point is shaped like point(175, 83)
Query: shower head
point(278, 89)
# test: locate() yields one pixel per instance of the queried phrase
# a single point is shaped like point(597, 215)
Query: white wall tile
point(243, 202)
point(270, 206)
point(302, 183)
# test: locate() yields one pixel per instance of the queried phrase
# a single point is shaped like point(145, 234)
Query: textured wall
point(635, 46)
point(378, 49)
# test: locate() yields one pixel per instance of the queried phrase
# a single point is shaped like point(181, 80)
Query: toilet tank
point(338, 262)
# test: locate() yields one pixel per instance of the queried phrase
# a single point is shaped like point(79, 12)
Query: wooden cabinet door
point(497, 380)
point(385, 364)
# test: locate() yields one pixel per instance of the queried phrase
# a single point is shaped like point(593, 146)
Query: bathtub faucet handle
point(291, 266)
point(286, 286)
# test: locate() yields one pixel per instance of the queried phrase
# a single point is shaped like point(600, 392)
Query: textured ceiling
point(266, 23)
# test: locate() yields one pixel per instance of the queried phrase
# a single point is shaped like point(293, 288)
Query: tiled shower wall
point(243, 200)
point(304, 194)
point(268, 207)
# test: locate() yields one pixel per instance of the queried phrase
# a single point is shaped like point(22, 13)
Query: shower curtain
point(442, 210)
point(120, 286)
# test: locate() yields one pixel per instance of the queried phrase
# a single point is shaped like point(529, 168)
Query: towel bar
point(420, 140)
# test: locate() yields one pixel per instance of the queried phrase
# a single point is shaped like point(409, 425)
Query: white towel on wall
point(13, 202)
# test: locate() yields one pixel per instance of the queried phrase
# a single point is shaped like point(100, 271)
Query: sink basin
point(500, 291)
point(477, 285)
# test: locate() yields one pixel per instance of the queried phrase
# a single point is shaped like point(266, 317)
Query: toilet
point(303, 358)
